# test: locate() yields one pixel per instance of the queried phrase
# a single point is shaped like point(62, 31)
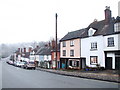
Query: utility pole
point(56, 38)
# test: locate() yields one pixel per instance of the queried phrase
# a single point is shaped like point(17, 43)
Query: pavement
point(105, 75)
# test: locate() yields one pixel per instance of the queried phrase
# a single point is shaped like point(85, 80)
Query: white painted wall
point(47, 57)
point(32, 57)
point(19, 57)
point(86, 50)
point(37, 57)
point(116, 42)
point(116, 47)
point(119, 41)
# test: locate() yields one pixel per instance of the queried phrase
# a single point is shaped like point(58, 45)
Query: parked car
point(29, 65)
point(21, 64)
point(9, 62)
point(17, 63)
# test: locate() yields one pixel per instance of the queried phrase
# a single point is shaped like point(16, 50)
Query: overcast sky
point(34, 20)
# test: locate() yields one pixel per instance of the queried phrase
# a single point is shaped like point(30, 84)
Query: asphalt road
point(14, 77)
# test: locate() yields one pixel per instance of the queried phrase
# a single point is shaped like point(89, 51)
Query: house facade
point(92, 51)
point(44, 54)
point(34, 57)
point(101, 47)
point(70, 50)
point(53, 55)
point(112, 47)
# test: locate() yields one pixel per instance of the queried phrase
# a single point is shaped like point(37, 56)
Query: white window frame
point(93, 60)
point(71, 42)
point(110, 43)
point(93, 45)
point(72, 52)
point(64, 43)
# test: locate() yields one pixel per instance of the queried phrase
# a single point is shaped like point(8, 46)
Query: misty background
point(8, 49)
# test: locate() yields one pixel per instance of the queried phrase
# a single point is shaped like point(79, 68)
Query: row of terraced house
point(96, 45)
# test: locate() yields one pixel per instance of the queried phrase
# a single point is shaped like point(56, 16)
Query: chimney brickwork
point(108, 15)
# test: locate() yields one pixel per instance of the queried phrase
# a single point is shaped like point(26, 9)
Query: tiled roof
point(36, 49)
point(44, 51)
point(27, 54)
point(75, 34)
point(100, 26)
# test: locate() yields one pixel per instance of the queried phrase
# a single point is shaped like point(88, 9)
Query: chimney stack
point(108, 15)
point(30, 49)
point(24, 50)
point(19, 50)
point(53, 44)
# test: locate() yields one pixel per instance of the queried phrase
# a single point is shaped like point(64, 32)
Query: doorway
point(108, 63)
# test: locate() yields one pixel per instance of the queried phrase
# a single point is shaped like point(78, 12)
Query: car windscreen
point(31, 62)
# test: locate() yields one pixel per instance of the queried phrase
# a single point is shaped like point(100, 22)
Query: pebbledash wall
point(110, 50)
point(87, 52)
point(102, 47)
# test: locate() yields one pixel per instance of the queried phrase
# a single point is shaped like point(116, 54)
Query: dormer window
point(117, 27)
point(91, 32)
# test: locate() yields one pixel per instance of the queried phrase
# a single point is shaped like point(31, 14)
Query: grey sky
point(34, 20)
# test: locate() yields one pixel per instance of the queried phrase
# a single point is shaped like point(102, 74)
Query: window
point(71, 52)
point(93, 60)
point(110, 41)
point(74, 63)
point(47, 56)
point(71, 43)
point(117, 27)
point(64, 52)
point(91, 31)
point(94, 46)
point(64, 44)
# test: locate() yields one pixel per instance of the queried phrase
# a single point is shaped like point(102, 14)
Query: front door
point(108, 63)
point(83, 63)
point(117, 63)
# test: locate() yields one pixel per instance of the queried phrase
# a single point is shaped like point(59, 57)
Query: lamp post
point(56, 38)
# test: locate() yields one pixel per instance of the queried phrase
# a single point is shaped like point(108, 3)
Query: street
point(15, 77)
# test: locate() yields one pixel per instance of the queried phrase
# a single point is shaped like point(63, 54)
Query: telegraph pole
point(56, 38)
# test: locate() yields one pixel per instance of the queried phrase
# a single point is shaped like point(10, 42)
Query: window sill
point(93, 49)
point(71, 45)
point(111, 46)
point(64, 46)
point(64, 55)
